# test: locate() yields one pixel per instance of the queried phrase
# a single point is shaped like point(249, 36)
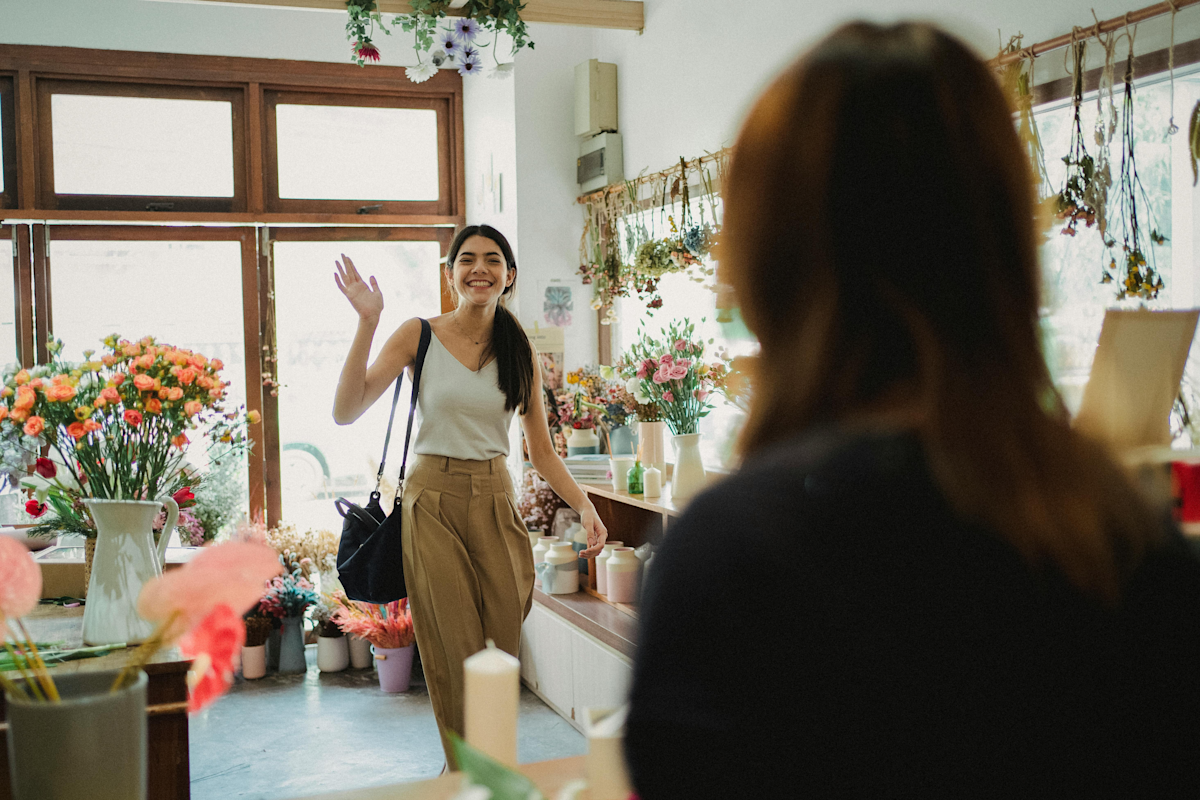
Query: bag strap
point(421, 348)
point(416, 383)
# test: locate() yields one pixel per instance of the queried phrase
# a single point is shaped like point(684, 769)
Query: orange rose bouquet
point(117, 424)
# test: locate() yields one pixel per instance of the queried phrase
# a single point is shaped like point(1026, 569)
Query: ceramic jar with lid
point(622, 578)
point(559, 571)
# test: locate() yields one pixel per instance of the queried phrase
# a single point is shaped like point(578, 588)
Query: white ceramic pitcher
point(125, 559)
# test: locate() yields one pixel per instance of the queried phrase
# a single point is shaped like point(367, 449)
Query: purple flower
point(450, 43)
point(469, 64)
point(466, 29)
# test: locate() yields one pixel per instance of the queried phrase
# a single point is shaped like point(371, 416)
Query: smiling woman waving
point(467, 559)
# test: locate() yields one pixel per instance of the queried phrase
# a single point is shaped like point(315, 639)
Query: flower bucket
point(394, 666)
point(92, 744)
point(360, 652)
point(333, 653)
point(273, 650)
point(291, 646)
point(254, 662)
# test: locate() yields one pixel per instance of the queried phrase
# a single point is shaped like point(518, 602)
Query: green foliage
point(497, 16)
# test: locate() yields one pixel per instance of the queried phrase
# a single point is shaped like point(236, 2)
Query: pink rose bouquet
point(672, 373)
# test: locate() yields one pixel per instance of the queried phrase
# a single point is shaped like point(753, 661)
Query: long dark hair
point(880, 236)
point(509, 344)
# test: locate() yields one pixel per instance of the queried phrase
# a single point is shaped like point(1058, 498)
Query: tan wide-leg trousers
point(468, 565)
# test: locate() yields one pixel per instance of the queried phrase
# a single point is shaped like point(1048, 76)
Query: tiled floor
point(289, 736)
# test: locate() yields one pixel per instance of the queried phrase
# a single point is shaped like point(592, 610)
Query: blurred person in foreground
point(921, 582)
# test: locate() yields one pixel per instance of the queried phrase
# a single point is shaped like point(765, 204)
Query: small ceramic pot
point(601, 561)
point(539, 555)
point(622, 568)
point(333, 653)
point(394, 666)
point(582, 442)
point(254, 662)
point(360, 652)
point(560, 569)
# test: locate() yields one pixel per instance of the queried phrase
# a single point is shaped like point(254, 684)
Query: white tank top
point(460, 410)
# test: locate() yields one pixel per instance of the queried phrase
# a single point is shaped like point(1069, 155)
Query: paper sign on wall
point(550, 344)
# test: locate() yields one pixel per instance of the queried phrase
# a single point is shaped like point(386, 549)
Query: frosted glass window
point(142, 146)
point(321, 155)
point(8, 313)
point(320, 460)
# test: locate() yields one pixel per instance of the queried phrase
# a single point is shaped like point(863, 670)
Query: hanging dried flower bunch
point(1105, 130)
point(1140, 278)
point(1017, 79)
point(1073, 199)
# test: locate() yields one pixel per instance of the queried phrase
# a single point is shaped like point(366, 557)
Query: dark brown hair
point(509, 344)
point(879, 234)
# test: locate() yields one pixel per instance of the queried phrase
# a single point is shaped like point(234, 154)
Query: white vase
point(254, 662)
point(125, 559)
point(539, 555)
point(333, 653)
point(582, 441)
point(560, 569)
point(651, 438)
point(688, 477)
point(623, 569)
point(360, 652)
point(601, 565)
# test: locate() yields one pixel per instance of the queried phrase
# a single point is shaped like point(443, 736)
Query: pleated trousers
point(468, 565)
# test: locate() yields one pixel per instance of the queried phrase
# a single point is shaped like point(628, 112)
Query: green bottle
point(635, 478)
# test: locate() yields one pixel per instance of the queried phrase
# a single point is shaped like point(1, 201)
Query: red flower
point(133, 417)
point(184, 497)
point(35, 509)
point(366, 51)
point(214, 644)
point(45, 467)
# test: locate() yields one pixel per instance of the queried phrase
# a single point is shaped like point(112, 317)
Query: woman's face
point(479, 273)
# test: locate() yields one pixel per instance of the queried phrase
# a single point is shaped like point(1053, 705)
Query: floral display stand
point(167, 723)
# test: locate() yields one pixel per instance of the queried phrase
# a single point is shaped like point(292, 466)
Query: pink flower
point(20, 579)
point(670, 398)
point(678, 372)
point(680, 344)
point(700, 395)
point(667, 359)
point(213, 645)
point(232, 573)
point(647, 367)
point(663, 375)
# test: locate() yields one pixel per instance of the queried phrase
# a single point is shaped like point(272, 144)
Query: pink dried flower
point(20, 579)
point(670, 398)
point(387, 627)
point(214, 645)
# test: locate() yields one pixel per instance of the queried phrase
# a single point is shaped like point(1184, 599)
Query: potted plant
point(254, 651)
point(71, 733)
point(286, 598)
point(389, 629)
point(118, 428)
point(333, 651)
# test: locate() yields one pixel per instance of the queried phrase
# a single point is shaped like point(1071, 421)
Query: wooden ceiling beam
point(627, 15)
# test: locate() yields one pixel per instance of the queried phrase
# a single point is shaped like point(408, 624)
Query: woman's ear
point(510, 278)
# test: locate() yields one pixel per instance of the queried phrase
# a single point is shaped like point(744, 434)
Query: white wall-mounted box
point(595, 98)
point(601, 162)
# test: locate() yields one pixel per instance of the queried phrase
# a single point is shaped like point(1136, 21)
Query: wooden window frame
point(46, 88)
point(8, 136)
point(251, 292)
point(443, 105)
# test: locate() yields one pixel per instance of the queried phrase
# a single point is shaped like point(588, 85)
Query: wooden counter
point(166, 701)
point(548, 776)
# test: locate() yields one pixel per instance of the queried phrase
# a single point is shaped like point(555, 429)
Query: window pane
point(142, 146)
point(319, 157)
point(187, 294)
point(1073, 298)
point(8, 318)
point(3, 122)
point(315, 325)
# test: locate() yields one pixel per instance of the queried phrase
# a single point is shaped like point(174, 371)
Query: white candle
point(652, 483)
point(493, 691)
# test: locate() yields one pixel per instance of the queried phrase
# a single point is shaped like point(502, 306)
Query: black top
point(822, 624)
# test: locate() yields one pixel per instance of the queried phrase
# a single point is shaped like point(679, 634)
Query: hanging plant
point(1140, 278)
point(1017, 78)
point(442, 46)
point(1074, 198)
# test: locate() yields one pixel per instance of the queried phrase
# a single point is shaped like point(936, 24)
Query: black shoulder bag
point(370, 559)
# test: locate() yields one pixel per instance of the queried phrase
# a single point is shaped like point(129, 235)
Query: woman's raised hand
point(367, 300)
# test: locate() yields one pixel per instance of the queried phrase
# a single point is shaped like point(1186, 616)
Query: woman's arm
point(359, 385)
point(552, 468)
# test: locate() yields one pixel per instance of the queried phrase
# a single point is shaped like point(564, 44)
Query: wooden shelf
point(662, 505)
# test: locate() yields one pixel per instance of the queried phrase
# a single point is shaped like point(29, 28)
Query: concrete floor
point(288, 736)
